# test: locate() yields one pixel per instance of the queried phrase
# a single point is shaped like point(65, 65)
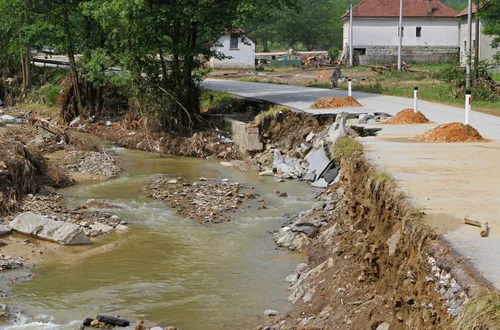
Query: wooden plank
point(470, 222)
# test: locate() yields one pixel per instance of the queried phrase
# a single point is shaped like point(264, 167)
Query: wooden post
point(484, 229)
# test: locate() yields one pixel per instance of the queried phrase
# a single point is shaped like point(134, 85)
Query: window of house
point(233, 43)
point(419, 31)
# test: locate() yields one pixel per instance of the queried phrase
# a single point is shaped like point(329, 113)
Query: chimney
point(429, 8)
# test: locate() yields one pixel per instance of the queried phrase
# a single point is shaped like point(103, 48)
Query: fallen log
point(470, 222)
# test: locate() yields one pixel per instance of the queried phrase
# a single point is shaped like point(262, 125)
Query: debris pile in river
point(93, 222)
point(98, 165)
point(203, 201)
point(24, 171)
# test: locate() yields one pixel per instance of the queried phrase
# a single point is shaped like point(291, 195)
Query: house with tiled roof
point(486, 51)
point(430, 32)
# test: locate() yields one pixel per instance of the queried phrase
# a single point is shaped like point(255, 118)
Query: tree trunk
point(27, 61)
point(99, 102)
point(71, 56)
point(23, 68)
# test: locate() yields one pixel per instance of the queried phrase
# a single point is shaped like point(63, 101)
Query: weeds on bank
point(347, 148)
point(210, 98)
point(272, 113)
point(480, 313)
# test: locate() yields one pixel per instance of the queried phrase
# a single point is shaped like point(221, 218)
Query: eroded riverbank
point(168, 268)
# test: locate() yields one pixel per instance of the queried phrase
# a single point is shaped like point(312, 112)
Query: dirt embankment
point(373, 264)
point(24, 171)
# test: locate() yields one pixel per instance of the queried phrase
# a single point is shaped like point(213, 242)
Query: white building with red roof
point(486, 52)
point(430, 31)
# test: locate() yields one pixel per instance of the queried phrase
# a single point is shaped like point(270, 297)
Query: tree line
point(161, 45)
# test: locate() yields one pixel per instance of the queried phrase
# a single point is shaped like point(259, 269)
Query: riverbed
point(168, 268)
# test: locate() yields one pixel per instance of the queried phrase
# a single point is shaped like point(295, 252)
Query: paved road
point(302, 98)
point(446, 181)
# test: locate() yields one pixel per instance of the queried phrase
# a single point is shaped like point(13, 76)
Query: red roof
point(466, 10)
point(411, 8)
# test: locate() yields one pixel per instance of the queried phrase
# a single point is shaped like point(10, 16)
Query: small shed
point(239, 49)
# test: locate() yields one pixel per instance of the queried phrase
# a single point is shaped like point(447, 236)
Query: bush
point(51, 92)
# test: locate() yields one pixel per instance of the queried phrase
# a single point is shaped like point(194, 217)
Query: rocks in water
point(4, 230)
point(271, 312)
point(266, 173)
point(101, 227)
point(50, 205)
point(111, 320)
point(102, 320)
point(57, 231)
point(8, 263)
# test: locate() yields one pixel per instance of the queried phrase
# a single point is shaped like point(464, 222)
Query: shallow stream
point(167, 268)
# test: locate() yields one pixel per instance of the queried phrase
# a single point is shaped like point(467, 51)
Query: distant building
point(486, 52)
point(240, 48)
point(430, 32)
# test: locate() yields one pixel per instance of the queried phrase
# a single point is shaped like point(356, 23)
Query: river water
point(167, 268)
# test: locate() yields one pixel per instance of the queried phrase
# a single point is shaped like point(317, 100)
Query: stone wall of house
point(411, 54)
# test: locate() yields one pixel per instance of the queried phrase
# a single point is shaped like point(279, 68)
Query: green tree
point(490, 13)
point(309, 24)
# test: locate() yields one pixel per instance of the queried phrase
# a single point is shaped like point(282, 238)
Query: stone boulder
point(4, 230)
point(56, 231)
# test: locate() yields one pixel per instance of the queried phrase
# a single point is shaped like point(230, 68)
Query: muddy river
point(167, 268)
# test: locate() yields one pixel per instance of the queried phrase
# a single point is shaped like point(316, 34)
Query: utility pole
point(400, 33)
point(468, 48)
point(351, 48)
point(476, 32)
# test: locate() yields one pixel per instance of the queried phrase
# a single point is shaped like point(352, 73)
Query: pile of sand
point(335, 102)
point(407, 116)
point(324, 76)
point(453, 132)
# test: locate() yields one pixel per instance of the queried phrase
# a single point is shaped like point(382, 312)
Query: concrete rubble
point(44, 228)
point(312, 160)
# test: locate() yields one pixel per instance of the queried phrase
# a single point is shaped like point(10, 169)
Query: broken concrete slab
point(44, 228)
point(318, 161)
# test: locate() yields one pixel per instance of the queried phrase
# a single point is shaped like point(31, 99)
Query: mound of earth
point(335, 102)
point(452, 132)
point(406, 117)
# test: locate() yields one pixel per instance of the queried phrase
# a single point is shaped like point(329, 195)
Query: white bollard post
point(349, 87)
point(415, 99)
point(468, 101)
